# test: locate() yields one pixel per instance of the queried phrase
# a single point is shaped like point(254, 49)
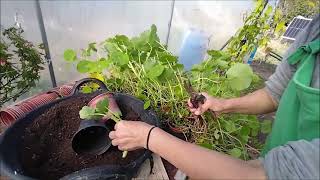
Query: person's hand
point(130, 135)
point(210, 103)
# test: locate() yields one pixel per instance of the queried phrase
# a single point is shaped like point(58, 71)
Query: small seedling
point(103, 110)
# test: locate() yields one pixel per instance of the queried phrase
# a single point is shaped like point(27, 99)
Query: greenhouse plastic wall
point(217, 21)
point(74, 24)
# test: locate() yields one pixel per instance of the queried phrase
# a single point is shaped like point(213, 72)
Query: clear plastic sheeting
point(74, 24)
point(219, 20)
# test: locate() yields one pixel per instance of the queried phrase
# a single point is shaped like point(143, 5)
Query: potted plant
point(45, 138)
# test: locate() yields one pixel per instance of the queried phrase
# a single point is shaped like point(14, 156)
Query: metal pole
point(226, 43)
point(45, 43)
point(170, 21)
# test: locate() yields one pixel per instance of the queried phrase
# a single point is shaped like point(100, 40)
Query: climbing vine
point(258, 28)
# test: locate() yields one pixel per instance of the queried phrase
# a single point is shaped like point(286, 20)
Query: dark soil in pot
point(47, 152)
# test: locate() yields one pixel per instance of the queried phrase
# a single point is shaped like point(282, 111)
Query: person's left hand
point(130, 135)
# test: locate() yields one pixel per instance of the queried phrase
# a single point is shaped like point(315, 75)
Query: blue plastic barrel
point(194, 48)
point(253, 53)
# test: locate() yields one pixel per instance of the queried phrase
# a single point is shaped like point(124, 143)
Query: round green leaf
point(155, 71)
point(101, 65)
point(87, 112)
point(85, 66)
point(239, 76)
point(70, 55)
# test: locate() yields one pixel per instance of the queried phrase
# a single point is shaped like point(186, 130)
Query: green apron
point(297, 116)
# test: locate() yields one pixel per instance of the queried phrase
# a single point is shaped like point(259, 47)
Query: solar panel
point(296, 25)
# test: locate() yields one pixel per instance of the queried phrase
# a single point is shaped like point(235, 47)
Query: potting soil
point(47, 152)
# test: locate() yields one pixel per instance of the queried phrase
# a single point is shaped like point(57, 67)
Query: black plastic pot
point(91, 138)
point(11, 140)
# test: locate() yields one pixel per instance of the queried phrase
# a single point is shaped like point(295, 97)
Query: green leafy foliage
point(90, 113)
point(143, 67)
point(85, 66)
point(86, 89)
point(87, 113)
point(20, 64)
point(102, 106)
point(230, 126)
point(155, 71)
point(119, 58)
point(146, 105)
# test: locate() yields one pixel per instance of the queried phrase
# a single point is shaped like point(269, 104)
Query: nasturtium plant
point(155, 71)
point(88, 113)
point(119, 58)
point(102, 106)
point(85, 66)
point(141, 66)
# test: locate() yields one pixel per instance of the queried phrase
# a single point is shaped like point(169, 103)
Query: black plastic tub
point(11, 140)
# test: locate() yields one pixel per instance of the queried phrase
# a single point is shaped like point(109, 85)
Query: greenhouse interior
point(166, 89)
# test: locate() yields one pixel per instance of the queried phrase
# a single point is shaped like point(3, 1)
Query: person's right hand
point(210, 103)
point(130, 135)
